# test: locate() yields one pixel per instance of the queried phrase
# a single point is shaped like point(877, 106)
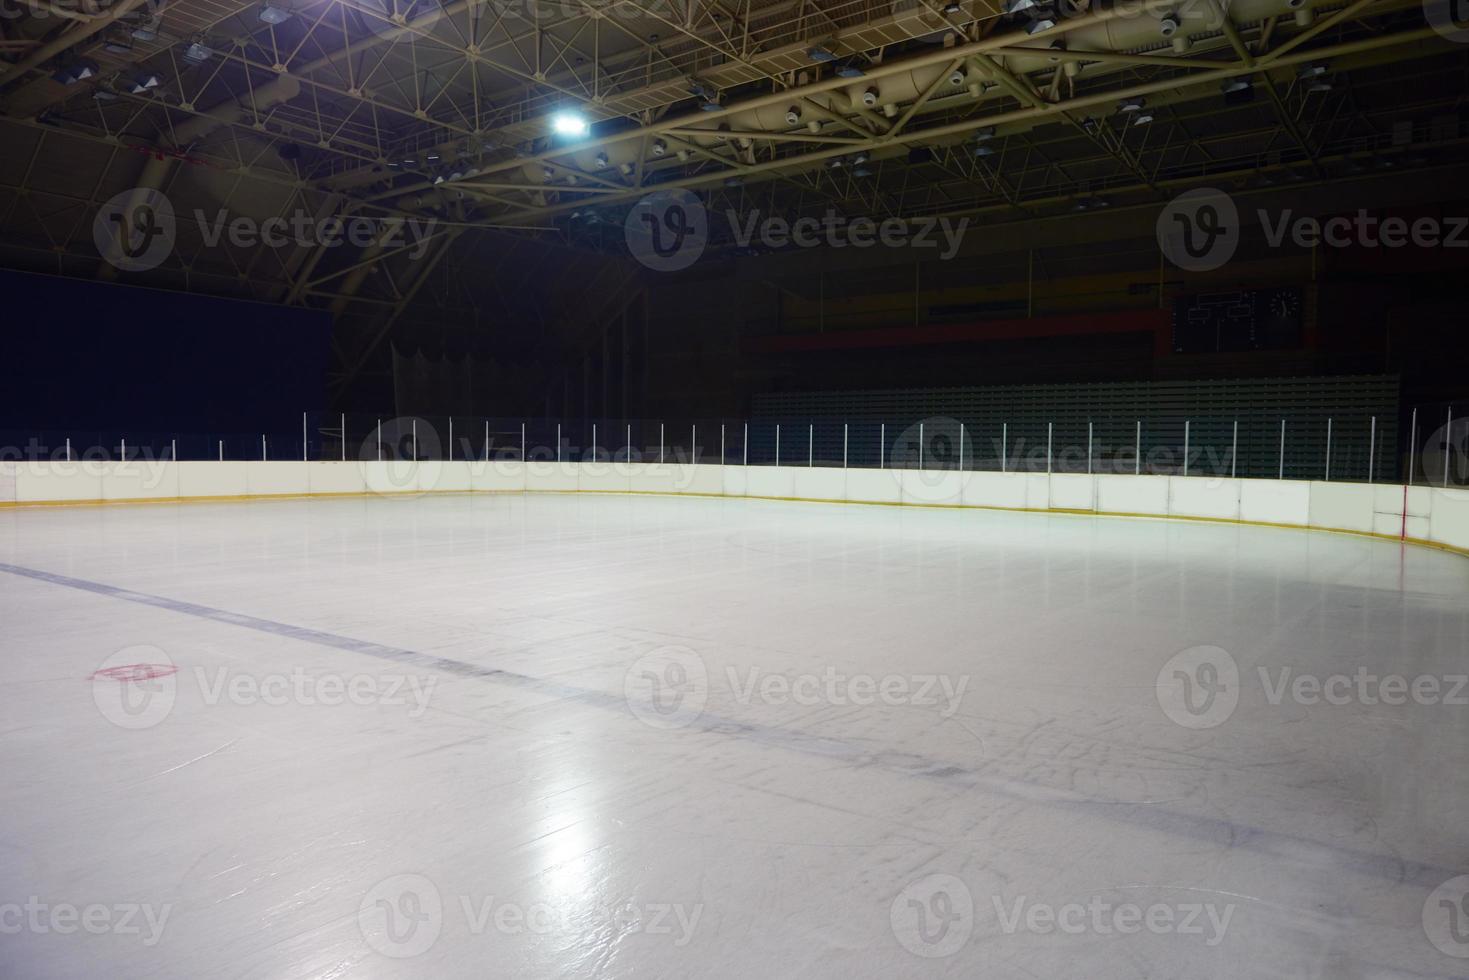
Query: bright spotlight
point(569, 124)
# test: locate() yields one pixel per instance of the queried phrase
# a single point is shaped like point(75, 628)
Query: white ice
point(565, 756)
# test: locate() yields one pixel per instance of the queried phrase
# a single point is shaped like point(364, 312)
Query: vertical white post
point(415, 440)
point(1372, 450)
point(173, 450)
point(1088, 448)
point(221, 450)
point(1004, 447)
point(1234, 451)
point(882, 446)
point(522, 442)
point(777, 444)
point(1281, 475)
point(961, 447)
point(1185, 447)
point(1048, 446)
point(451, 438)
point(304, 457)
point(125, 448)
point(1137, 450)
point(344, 437)
point(722, 458)
point(264, 450)
point(660, 443)
point(1328, 448)
point(629, 442)
point(920, 445)
point(594, 442)
point(379, 440)
point(810, 444)
point(1448, 445)
point(558, 442)
point(844, 445)
point(68, 449)
point(1412, 446)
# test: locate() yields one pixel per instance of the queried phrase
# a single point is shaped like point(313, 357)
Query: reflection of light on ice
point(566, 863)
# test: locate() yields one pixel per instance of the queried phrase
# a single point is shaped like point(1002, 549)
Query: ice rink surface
point(576, 736)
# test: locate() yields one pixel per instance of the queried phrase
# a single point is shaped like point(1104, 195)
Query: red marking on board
point(129, 673)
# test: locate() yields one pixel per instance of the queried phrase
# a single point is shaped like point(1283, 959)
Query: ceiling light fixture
point(272, 14)
point(569, 124)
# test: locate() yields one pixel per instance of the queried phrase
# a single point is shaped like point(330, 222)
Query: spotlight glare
point(569, 124)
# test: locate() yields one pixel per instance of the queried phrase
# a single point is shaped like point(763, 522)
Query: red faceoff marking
point(129, 673)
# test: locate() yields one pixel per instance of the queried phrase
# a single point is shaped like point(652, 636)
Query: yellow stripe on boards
point(1062, 511)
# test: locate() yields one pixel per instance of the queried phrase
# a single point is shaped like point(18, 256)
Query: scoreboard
point(1238, 320)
